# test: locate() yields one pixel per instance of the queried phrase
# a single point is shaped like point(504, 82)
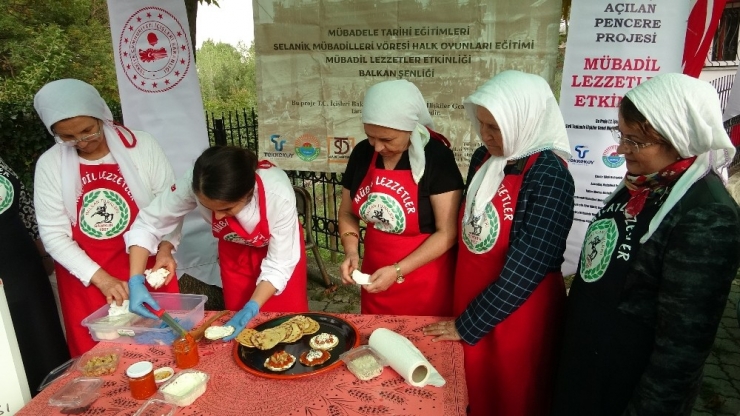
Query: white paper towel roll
point(405, 358)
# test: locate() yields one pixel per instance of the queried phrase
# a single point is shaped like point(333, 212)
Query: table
point(233, 391)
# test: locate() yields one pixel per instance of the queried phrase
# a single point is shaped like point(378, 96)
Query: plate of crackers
point(296, 345)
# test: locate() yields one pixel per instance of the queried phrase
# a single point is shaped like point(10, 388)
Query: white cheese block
point(156, 278)
point(360, 278)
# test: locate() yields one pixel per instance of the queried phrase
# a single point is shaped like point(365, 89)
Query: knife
point(163, 315)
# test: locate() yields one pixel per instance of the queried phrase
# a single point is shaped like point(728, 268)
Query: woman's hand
point(113, 289)
point(443, 331)
point(381, 280)
point(351, 263)
point(165, 260)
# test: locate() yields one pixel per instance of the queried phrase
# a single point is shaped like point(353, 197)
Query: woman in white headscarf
point(403, 182)
point(88, 190)
point(657, 262)
point(509, 291)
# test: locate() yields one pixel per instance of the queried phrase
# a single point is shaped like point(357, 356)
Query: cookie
point(245, 337)
point(312, 358)
point(324, 341)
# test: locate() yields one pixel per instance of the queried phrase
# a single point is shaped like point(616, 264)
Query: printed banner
point(315, 60)
point(612, 47)
point(14, 389)
point(160, 94)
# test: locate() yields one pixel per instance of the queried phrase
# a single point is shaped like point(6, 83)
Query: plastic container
point(77, 395)
point(141, 380)
point(99, 362)
point(58, 373)
point(156, 407)
point(364, 362)
point(185, 387)
point(187, 309)
point(163, 374)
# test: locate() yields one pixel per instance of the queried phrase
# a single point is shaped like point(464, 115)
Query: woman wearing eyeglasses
point(657, 261)
point(88, 190)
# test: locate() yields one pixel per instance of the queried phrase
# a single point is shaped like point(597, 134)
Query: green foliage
point(227, 76)
point(45, 41)
point(23, 138)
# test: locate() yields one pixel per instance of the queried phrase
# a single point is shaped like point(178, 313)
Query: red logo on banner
point(154, 50)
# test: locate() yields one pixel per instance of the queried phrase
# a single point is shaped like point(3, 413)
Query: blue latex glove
point(242, 318)
point(139, 295)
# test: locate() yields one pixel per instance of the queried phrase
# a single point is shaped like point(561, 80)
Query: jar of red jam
point(141, 380)
point(186, 352)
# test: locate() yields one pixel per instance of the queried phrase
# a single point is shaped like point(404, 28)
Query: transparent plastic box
point(184, 387)
point(127, 329)
point(156, 407)
point(77, 395)
point(99, 362)
point(364, 362)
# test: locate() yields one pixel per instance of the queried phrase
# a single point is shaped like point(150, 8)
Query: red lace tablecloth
point(233, 391)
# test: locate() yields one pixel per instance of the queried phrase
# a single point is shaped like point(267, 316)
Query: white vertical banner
point(160, 94)
point(14, 391)
point(612, 47)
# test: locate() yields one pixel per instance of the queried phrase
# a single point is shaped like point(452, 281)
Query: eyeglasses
point(622, 140)
point(74, 142)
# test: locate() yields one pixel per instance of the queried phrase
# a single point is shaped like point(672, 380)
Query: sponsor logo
point(339, 148)
point(611, 158)
point(154, 50)
point(104, 214)
point(580, 159)
point(279, 145)
point(277, 142)
point(7, 194)
point(307, 147)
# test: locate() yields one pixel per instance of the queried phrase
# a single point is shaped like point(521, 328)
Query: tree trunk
point(191, 7)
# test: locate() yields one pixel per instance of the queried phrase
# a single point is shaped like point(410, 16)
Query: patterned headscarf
point(686, 112)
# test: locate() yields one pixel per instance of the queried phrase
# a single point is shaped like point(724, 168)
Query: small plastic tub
point(185, 387)
point(77, 396)
point(156, 407)
point(163, 374)
point(99, 362)
point(364, 362)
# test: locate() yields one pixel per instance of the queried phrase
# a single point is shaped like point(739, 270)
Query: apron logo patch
point(598, 246)
point(481, 232)
point(384, 212)
point(104, 214)
point(258, 241)
point(7, 194)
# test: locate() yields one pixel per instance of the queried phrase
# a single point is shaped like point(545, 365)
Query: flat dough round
point(324, 341)
point(245, 337)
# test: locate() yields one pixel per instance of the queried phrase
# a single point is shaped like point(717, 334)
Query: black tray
point(253, 359)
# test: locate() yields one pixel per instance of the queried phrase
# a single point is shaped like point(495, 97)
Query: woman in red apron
point(406, 188)
point(509, 292)
point(252, 211)
point(99, 168)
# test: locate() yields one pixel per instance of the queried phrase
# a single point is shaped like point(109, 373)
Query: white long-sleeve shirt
point(54, 227)
point(284, 248)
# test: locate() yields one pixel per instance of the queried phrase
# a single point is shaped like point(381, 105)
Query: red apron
point(387, 201)
point(106, 210)
point(509, 371)
point(240, 256)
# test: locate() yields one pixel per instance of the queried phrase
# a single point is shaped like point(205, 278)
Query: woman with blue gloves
point(251, 207)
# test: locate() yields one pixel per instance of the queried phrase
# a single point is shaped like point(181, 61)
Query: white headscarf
point(686, 112)
point(530, 122)
point(68, 98)
point(399, 105)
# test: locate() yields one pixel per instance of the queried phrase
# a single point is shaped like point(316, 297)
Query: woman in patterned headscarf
point(657, 261)
point(509, 292)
